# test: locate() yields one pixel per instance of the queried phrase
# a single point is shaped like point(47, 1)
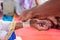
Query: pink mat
point(33, 34)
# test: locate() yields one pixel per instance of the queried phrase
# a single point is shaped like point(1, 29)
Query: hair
point(2, 5)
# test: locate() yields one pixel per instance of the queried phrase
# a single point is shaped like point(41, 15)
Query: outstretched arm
point(50, 8)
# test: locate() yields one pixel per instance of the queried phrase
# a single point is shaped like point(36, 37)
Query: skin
point(18, 25)
point(41, 24)
point(50, 8)
point(36, 1)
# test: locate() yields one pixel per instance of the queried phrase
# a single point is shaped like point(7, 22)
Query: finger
point(25, 15)
point(53, 19)
point(22, 15)
point(24, 19)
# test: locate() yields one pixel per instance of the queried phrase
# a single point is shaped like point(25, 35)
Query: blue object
point(13, 36)
point(9, 18)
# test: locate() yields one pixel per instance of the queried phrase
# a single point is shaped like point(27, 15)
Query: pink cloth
point(33, 34)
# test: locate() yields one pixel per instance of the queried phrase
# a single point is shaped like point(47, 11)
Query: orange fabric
point(16, 17)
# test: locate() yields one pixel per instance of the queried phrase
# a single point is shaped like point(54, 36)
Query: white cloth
point(26, 24)
point(42, 1)
point(18, 7)
point(4, 28)
point(8, 7)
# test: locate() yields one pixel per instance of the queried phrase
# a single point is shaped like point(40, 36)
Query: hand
point(27, 14)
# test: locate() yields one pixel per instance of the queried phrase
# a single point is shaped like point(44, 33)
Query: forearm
point(51, 8)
